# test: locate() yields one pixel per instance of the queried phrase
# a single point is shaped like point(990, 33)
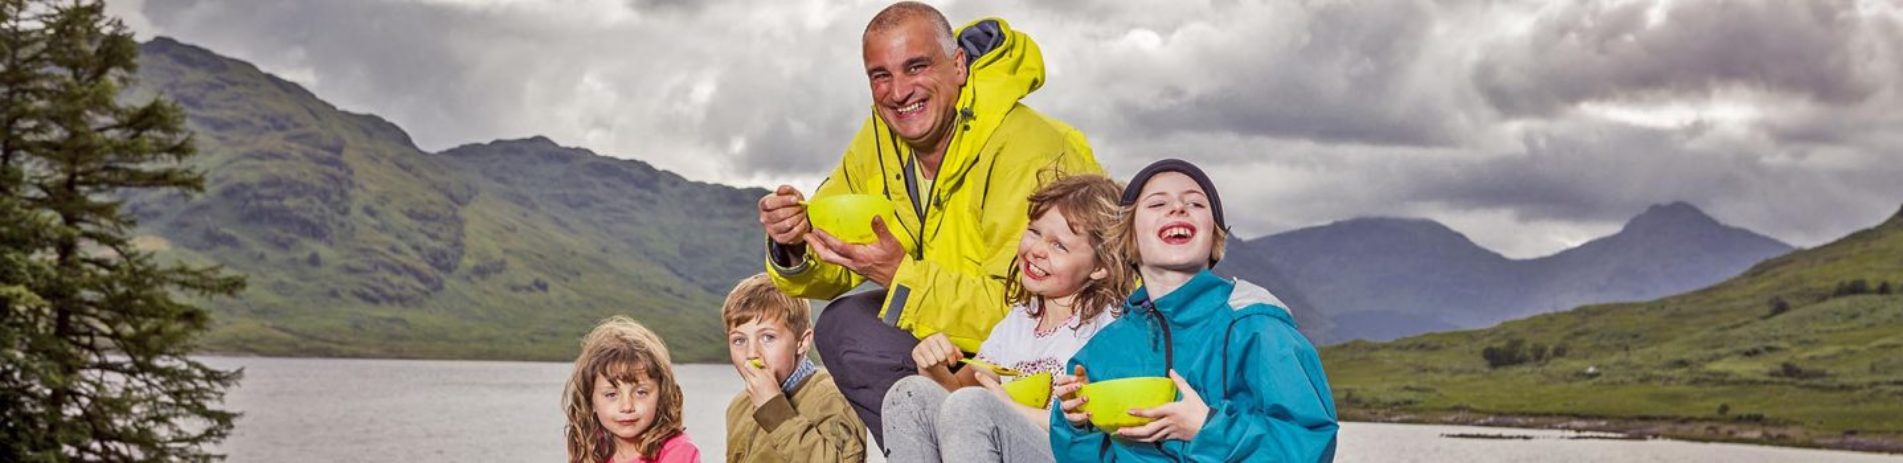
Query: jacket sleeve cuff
point(898, 298)
point(774, 412)
point(787, 260)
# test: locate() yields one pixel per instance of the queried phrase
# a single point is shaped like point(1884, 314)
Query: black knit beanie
point(1135, 187)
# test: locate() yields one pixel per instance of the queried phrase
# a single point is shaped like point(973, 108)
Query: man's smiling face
point(914, 81)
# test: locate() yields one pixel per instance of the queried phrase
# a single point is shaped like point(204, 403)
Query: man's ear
point(964, 69)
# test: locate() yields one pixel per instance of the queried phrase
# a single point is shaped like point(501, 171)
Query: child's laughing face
point(1174, 226)
point(771, 342)
point(1055, 262)
point(625, 408)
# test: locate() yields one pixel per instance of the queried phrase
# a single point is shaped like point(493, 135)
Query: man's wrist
point(787, 258)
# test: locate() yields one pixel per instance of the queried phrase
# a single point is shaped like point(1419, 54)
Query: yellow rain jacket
point(958, 252)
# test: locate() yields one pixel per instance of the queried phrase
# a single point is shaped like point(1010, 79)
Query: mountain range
point(358, 243)
point(1802, 349)
point(1383, 278)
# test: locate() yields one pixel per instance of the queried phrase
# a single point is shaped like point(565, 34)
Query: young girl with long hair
point(622, 402)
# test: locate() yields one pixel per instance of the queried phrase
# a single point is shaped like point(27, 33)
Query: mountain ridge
point(359, 243)
point(1359, 273)
point(1800, 349)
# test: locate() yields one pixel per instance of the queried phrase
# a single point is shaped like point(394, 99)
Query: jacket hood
point(1004, 65)
point(1247, 294)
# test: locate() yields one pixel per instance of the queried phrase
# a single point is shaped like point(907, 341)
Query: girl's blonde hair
point(1089, 203)
point(623, 351)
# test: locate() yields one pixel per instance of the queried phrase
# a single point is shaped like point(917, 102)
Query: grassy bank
point(1802, 350)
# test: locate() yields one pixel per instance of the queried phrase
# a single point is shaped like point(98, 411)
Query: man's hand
point(877, 261)
point(934, 356)
point(1179, 420)
point(782, 216)
point(1065, 388)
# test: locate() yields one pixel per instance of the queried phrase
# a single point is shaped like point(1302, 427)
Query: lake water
point(329, 410)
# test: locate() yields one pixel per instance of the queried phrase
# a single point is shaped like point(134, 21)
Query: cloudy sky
point(1529, 126)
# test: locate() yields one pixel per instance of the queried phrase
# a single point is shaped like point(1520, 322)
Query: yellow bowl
point(1033, 391)
point(1110, 401)
point(849, 216)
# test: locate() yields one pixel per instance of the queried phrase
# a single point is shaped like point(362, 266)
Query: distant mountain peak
point(536, 145)
point(1416, 225)
point(534, 140)
point(1395, 231)
point(1672, 215)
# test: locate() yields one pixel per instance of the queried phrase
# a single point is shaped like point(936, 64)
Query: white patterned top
point(1016, 343)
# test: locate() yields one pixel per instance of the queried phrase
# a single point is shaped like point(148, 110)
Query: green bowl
point(1033, 390)
point(849, 216)
point(1110, 401)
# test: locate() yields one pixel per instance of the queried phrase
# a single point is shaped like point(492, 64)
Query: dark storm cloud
point(1346, 76)
point(419, 63)
point(688, 85)
point(1600, 50)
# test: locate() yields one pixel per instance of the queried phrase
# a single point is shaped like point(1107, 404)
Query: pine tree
point(22, 87)
point(97, 343)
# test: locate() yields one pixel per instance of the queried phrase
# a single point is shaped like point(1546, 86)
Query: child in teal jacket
point(1251, 388)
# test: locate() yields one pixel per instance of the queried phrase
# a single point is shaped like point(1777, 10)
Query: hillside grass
point(1680, 358)
point(357, 243)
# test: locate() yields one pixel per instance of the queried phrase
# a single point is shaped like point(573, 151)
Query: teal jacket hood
point(1237, 346)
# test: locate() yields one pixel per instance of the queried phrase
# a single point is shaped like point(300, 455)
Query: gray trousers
point(924, 423)
point(864, 355)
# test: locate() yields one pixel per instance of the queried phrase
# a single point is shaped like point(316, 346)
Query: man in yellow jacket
point(957, 154)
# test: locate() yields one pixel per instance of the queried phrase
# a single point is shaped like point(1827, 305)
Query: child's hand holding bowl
point(1179, 420)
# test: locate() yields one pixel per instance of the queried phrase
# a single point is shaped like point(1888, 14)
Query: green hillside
point(357, 243)
point(1803, 349)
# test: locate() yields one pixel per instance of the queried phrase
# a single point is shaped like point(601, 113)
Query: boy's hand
point(761, 387)
point(877, 261)
point(1179, 420)
point(1065, 387)
point(934, 356)
point(782, 216)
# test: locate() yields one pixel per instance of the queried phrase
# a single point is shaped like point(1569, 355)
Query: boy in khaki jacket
point(791, 410)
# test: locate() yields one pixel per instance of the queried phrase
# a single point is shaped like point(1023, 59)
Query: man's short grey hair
point(903, 12)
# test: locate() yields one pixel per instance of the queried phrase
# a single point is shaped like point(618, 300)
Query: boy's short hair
point(756, 298)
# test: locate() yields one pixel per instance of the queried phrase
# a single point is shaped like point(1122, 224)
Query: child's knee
point(910, 391)
point(969, 402)
point(968, 413)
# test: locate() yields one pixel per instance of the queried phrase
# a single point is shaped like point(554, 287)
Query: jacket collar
point(805, 370)
point(1203, 296)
